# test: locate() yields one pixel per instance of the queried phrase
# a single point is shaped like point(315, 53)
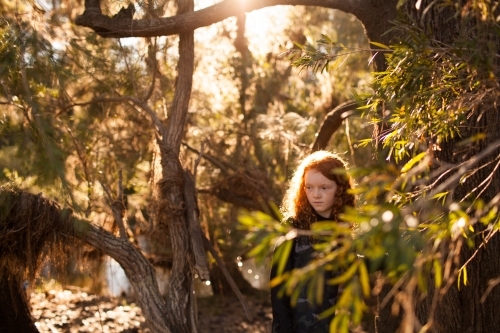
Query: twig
point(135, 101)
point(197, 162)
point(82, 158)
point(393, 290)
point(193, 312)
point(221, 165)
point(128, 67)
point(117, 206)
point(153, 79)
point(230, 280)
point(460, 172)
point(491, 284)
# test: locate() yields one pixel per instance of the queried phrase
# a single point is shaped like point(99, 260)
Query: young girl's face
point(320, 192)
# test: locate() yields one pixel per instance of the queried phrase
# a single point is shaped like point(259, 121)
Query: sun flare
point(263, 26)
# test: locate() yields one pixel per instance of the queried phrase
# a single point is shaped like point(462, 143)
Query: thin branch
point(491, 284)
point(230, 280)
point(193, 221)
point(485, 183)
point(483, 243)
point(197, 162)
point(153, 79)
point(464, 168)
point(137, 102)
point(117, 206)
point(83, 160)
point(132, 79)
point(223, 166)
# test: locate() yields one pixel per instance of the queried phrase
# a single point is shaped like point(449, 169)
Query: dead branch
point(223, 166)
point(137, 102)
point(230, 280)
point(192, 215)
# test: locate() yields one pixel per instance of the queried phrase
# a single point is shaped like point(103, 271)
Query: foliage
point(410, 224)
point(430, 89)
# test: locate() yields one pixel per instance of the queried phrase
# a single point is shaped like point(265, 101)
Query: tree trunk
point(15, 314)
point(169, 189)
point(465, 310)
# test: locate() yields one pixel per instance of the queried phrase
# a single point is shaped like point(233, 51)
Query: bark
point(200, 257)
point(170, 187)
point(375, 12)
point(14, 312)
point(139, 271)
point(332, 122)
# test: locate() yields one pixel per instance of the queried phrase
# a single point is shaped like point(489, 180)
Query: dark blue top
point(303, 318)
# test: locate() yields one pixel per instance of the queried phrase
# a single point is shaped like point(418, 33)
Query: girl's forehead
point(314, 175)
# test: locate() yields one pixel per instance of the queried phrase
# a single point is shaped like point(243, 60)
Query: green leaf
point(382, 46)
point(400, 3)
point(346, 276)
point(364, 279)
point(438, 276)
point(414, 160)
point(462, 274)
point(282, 252)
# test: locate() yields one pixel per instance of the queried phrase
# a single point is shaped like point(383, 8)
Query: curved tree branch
point(119, 26)
point(332, 122)
point(137, 268)
point(23, 210)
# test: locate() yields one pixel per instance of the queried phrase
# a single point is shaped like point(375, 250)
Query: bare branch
point(332, 122)
point(137, 102)
point(220, 164)
point(193, 221)
point(230, 280)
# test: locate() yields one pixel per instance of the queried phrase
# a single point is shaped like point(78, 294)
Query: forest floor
point(74, 311)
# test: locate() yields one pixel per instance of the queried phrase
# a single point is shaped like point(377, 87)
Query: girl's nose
point(316, 193)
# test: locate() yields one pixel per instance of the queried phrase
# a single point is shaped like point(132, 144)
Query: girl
point(316, 193)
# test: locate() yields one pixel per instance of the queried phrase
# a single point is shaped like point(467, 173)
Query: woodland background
point(171, 151)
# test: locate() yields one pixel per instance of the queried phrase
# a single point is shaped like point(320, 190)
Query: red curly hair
point(296, 207)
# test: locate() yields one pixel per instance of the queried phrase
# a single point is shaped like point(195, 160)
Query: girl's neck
point(321, 217)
